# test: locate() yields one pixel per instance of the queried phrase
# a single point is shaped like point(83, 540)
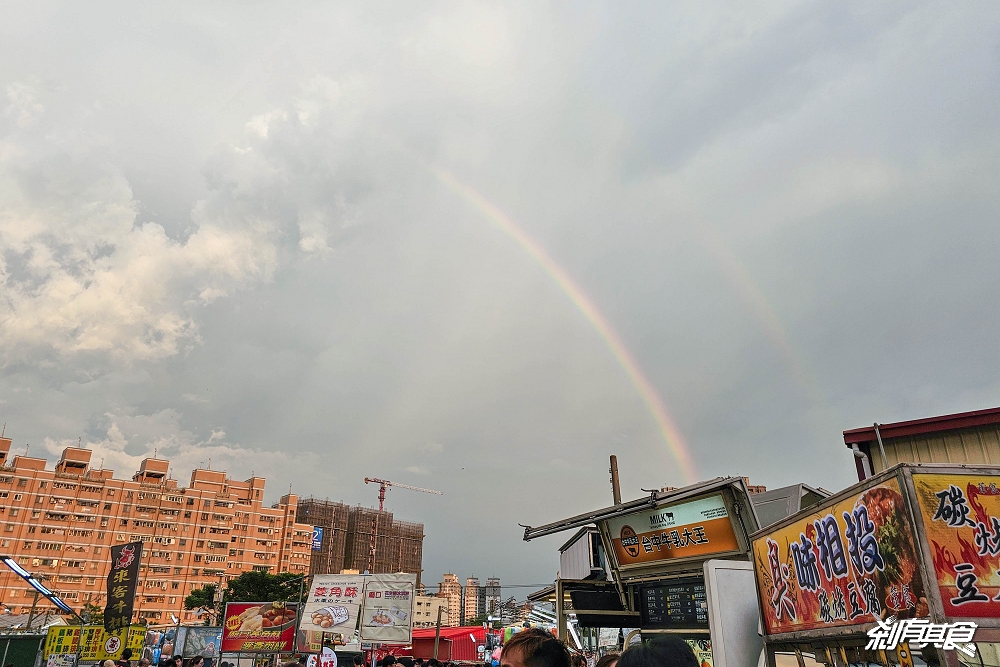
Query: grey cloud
point(236, 250)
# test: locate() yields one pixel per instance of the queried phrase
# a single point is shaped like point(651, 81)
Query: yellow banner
point(93, 641)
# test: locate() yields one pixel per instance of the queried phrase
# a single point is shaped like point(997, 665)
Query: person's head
point(145, 662)
point(302, 659)
point(609, 660)
point(661, 652)
point(533, 647)
point(388, 660)
point(433, 662)
point(405, 661)
point(578, 660)
point(197, 661)
point(108, 663)
point(358, 660)
point(127, 654)
point(169, 662)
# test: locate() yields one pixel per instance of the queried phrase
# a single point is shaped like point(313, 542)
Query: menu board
point(676, 604)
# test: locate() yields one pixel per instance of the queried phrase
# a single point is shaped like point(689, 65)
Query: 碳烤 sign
point(961, 516)
point(259, 627)
point(850, 563)
point(694, 528)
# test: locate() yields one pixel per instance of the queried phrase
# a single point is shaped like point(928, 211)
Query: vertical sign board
point(122, 581)
point(317, 538)
point(387, 608)
point(334, 603)
point(961, 515)
point(693, 528)
point(259, 627)
point(852, 562)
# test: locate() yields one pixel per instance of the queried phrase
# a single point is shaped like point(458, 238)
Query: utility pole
point(616, 490)
point(437, 632)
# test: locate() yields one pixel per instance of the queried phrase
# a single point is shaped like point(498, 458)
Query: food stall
point(657, 550)
point(918, 543)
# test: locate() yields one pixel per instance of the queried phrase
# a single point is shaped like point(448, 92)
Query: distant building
point(346, 542)
point(61, 524)
point(966, 437)
point(474, 603)
point(450, 589)
point(426, 610)
point(492, 596)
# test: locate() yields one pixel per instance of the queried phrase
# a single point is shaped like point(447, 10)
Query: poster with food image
point(333, 604)
point(251, 627)
point(849, 563)
point(387, 608)
point(961, 516)
point(702, 651)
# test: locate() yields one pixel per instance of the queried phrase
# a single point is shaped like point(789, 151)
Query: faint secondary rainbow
point(668, 429)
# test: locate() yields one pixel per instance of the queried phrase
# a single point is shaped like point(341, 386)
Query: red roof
point(924, 426)
point(452, 632)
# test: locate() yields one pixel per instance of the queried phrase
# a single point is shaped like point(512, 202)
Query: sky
point(479, 247)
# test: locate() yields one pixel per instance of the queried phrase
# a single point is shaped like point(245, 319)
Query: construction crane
point(384, 485)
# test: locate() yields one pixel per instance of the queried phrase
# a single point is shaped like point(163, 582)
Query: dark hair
point(607, 660)
point(389, 660)
point(358, 660)
point(433, 662)
point(302, 659)
point(406, 661)
point(578, 660)
point(538, 648)
point(661, 652)
point(127, 654)
point(198, 658)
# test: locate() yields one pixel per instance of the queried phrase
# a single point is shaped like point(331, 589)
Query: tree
point(201, 597)
point(92, 614)
point(248, 587)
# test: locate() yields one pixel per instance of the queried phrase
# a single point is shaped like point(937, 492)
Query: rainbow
point(668, 429)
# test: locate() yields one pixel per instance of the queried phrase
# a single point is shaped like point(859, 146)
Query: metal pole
point(616, 490)
point(881, 448)
point(5, 648)
point(560, 611)
point(437, 632)
point(31, 614)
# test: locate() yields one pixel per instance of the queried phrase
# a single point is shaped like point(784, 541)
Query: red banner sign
point(259, 627)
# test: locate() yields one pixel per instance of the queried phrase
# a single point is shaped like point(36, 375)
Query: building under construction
point(347, 532)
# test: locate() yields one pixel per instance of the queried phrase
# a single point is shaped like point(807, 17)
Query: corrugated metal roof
point(952, 422)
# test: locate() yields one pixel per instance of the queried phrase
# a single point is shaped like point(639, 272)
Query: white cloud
point(131, 437)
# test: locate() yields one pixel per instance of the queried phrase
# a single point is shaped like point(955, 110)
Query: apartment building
point(451, 590)
point(60, 524)
point(425, 611)
point(474, 602)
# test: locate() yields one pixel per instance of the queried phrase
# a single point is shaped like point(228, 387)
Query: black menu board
point(681, 603)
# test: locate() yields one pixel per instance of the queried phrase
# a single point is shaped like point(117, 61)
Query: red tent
point(459, 643)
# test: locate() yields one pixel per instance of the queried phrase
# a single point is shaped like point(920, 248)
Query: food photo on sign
point(333, 603)
point(259, 627)
point(850, 563)
point(386, 613)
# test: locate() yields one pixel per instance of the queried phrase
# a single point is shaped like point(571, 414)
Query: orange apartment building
point(61, 523)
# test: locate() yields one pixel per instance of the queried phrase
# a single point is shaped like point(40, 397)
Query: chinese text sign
point(846, 564)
